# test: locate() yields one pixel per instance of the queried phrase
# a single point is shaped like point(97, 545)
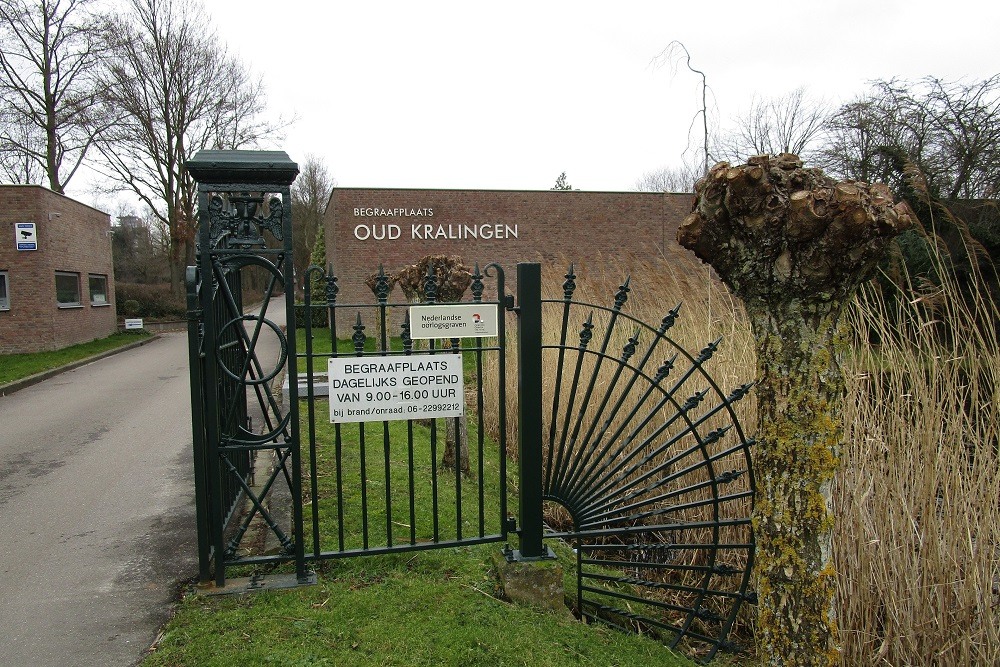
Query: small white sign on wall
point(25, 236)
point(133, 323)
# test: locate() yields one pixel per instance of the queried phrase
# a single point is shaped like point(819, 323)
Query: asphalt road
point(97, 528)
point(96, 508)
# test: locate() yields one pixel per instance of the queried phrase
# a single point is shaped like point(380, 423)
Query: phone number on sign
point(442, 407)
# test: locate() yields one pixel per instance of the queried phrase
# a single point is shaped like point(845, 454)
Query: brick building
point(396, 227)
point(56, 276)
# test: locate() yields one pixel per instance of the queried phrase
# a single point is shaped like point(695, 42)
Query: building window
point(67, 289)
point(98, 290)
point(4, 292)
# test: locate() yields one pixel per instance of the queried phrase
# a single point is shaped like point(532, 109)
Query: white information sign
point(133, 323)
point(419, 386)
point(25, 236)
point(466, 320)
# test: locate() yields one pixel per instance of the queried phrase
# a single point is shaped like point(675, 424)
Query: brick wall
point(71, 237)
point(559, 227)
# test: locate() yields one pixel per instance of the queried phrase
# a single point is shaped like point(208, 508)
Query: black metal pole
point(211, 381)
point(292, 373)
point(529, 407)
point(201, 492)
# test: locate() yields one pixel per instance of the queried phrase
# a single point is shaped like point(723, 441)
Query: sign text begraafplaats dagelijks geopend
point(423, 386)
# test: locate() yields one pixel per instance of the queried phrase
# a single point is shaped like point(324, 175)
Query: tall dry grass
point(707, 312)
point(917, 543)
point(918, 498)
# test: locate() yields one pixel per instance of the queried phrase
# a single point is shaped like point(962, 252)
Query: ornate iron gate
point(635, 449)
point(389, 485)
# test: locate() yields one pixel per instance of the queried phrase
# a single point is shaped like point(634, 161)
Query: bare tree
point(47, 88)
point(673, 54)
point(19, 144)
point(855, 138)
point(176, 91)
point(668, 179)
point(791, 123)
point(137, 254)
point(949, 131)
point(937, 144)
point(310, 194)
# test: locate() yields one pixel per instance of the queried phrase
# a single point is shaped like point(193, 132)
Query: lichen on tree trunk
point(795, 246)
point(799, 430)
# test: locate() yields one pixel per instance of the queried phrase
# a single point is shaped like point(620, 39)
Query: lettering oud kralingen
point(422, 229)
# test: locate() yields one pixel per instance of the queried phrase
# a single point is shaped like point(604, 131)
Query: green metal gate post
point(529, 409)
point(242, 195)
point(198, 426)
point(210, 414)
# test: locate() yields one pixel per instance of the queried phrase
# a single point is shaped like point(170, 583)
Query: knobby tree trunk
point(445, 278)
point(456, 442)
point(795, 246)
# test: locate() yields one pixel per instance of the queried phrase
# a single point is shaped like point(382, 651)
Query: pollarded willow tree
point(794, 245)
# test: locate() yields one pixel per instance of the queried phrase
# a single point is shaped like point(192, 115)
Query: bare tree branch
point(48, 88)
point(791, 123)
point(176, 91)
point(673, 53)
point(668, 179)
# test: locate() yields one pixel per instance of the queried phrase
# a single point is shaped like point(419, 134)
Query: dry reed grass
point(917, 544)
point(918, 497)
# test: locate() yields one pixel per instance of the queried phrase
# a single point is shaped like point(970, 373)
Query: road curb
point(18, 385)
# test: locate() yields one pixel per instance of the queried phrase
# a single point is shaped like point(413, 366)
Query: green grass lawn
point(423, 608)
point(440, 607)
point(387, 497)
point(19, 366)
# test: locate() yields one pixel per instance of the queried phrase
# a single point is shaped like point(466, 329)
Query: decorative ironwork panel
point(645, 455)
point(240, 294)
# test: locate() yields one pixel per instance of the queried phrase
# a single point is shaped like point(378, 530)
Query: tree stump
point(794, 245)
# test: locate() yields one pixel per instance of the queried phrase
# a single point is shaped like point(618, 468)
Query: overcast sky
point(509, 94)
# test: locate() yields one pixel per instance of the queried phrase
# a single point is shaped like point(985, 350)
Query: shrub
point(148, 301)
